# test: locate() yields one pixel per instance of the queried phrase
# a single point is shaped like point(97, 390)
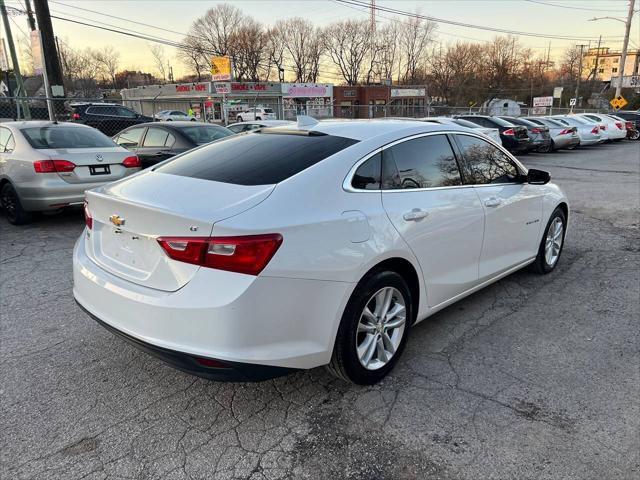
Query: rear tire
point(368, 345)
point(551, 244)
point(10, 202)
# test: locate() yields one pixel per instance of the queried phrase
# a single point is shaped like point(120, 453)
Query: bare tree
point(217, 27)
point(275, 50)
point(300, 38)
point(347, 44)
point(107, 60)
point(452, 69)
point(193, 57)
point(388, 55)
point(248, 48)
point(415, 38)
point(159, 59)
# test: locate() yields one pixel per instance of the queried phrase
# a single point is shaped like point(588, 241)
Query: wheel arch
point(407, 271)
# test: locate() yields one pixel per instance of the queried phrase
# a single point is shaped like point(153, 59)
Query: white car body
point(241, 127)
point(456, 240)
point(589, 132)
point(256, 113)
point(174, 115)
point(614, 129)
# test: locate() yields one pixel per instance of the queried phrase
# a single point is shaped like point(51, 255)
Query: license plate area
point(99, 170)
point(131, 254)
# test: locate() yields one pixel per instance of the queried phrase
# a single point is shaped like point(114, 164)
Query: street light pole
point(578, 79)
point(625, 43)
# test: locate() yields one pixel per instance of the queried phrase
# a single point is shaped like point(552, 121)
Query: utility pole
point(49, 50)
point(625, 44)
point(579, 75)
point(20, 91)
point(30, 20)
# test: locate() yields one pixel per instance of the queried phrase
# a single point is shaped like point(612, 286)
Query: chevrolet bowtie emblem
point(117, 220)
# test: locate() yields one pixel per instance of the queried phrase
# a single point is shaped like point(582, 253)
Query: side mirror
point(538, 177)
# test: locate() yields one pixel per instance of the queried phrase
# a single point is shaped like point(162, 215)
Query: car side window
point(367, 176)
point(482, 163)
point(124, 112)
point(155, 137)
point(425, 162)
point(170, 140)
point(4, 138)
point(130, 138)
point(10, 145)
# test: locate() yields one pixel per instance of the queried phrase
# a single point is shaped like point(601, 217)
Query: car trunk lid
point(92, 165)
point(128, 217)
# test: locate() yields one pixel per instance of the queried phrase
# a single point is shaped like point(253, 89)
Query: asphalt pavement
point(535, 377)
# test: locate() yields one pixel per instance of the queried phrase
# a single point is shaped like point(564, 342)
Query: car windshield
point(256, 158)
point(201, 134)
point(66, 137)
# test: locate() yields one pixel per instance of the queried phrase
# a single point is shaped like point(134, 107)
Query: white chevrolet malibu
point(302, 246)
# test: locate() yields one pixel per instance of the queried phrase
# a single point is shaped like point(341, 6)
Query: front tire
point(373, 330)
point(551, 244)
point(12, 207)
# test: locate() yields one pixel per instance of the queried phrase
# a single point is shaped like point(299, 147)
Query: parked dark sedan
point(514, 137)
point(539, 134)
point(154, 142)
point(109, 118)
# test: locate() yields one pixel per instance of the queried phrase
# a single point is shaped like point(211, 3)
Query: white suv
point(256, 113)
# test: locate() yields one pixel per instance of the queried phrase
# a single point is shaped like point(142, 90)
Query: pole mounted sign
point(220, 69)
point(618, 102)
point(557, 92)
point(542, 101)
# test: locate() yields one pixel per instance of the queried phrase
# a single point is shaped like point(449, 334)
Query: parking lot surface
point(533, 377)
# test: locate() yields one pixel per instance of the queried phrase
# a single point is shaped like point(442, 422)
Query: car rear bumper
point(230, 317)
point(516, 145)
point(565, 141)
point(53, 194)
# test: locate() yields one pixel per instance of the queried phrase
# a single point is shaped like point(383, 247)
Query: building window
point(614, 70)
point(616, 60)
point(601, 70)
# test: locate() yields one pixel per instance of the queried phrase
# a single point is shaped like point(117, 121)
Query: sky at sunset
point(173, 17)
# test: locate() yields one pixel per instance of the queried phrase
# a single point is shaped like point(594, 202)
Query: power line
point(571, 8)
point(463, 24)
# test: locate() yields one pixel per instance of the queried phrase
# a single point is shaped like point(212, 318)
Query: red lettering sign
point(183, 88)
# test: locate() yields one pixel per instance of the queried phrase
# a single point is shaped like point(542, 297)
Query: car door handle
point(415, 215)
point(493, 202)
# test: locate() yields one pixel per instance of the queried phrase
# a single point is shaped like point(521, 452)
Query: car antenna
point(306, 122)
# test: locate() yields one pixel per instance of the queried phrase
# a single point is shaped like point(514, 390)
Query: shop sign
point(254, 87)
point(408, 92)
point(308, 90)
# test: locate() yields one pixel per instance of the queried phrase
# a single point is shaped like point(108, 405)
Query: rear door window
point(130, 138)
point(482, 163)
point(367, 176)
point(155, 137)
point(4, 138)
point(256, 159)
point(424, 162)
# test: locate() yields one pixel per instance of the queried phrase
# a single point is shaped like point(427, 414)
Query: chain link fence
point(112, 115)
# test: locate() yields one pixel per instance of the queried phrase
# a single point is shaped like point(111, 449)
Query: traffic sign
point(573, 102)
point(618, 102)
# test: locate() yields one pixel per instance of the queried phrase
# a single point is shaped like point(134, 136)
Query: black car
point(154, 142)
point(514, 137)
point(631, 116)
point(539, 134)
point(109, 118)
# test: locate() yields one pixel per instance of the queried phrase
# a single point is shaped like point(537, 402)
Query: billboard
point(220, 69)
point(542, 101)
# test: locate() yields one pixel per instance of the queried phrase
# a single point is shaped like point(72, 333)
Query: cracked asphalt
point(535, 377)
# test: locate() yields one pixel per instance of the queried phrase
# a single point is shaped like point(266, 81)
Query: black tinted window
point(201, 134)
point(257, 158)
point(367, 176)
point(483, 163)
point(424, 162)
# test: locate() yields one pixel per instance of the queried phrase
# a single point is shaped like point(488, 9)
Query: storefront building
point(375, 101)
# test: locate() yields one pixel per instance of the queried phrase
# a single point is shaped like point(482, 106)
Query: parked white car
point(48, 166)
point(256, 113)
point(589, 131)
point(318, 244)
point(241, 127)
point(174, 115)
point(492, 133)
point(614, 129)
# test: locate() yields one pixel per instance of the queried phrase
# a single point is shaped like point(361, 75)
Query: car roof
point(179, 123)
point(264, 122)
point(367, 129)
point(20, 124)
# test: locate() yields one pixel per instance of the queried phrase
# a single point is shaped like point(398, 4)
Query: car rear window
point(66, 137)
point(256, 158)
point(268, 110)
point(201, 134)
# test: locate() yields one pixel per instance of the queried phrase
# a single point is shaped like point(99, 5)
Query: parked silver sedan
point(562, 136)
point(48, 166)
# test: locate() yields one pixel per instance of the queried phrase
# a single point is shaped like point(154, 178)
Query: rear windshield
point(205, 134)
point(465, 123)
point(502, 122)
point(268, 110)
point(66, 137)
point(256, 158)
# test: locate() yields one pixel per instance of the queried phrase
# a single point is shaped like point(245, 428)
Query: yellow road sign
point(220, 68)
point(618, 102)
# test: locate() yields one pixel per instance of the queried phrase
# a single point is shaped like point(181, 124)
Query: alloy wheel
point(553, 242)
point(380, 328)
point(9, 202)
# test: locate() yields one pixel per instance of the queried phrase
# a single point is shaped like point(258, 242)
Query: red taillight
point(132, 162)
point(210, 362)
point(53, 166)
point(75, 116)
point(88, 219)
point(629, 125)
point(565, 131)
point(595, 130)
point(247, 254)
point(619, 125)
point(509, 131)
point(536, 130)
